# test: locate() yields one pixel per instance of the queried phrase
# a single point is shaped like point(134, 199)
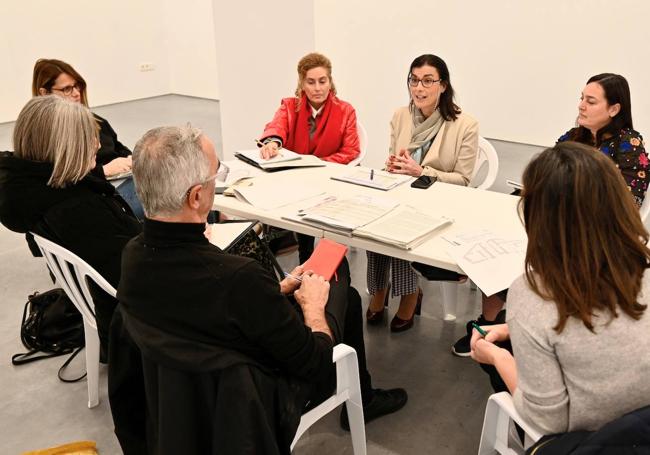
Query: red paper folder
point(326, 258)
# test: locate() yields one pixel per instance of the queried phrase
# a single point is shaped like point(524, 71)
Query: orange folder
point(326, 258)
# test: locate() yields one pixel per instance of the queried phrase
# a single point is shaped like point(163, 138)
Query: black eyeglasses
point(426, 82)
point(68, 89)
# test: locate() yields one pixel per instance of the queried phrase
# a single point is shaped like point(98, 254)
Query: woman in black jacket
point(51, 186)
point(56, 77)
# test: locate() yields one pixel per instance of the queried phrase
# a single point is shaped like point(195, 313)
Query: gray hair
point(54, 130)
point(167, 162)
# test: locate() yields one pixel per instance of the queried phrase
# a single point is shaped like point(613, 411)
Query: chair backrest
point(486, 154)
point(363, 145)
point(71, 272)
point(499, 413)
point(644, 211)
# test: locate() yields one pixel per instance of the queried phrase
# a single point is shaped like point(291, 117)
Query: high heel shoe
point(400, 325)
point(376, 317)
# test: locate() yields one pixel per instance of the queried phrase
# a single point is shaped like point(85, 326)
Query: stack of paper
point(403, 227)
point(380, 180)
point(345, 215)
point(285, 159)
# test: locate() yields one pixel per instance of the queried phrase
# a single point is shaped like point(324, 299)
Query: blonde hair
point(46, 72)
point(54, 130)
point(309, 62)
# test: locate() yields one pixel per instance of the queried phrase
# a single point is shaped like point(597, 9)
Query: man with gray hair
point(191, 306)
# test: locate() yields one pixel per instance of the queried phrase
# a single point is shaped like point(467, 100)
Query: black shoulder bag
point(51, 326)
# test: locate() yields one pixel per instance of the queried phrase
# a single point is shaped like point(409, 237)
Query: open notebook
point(380, 180)
point(286, 159)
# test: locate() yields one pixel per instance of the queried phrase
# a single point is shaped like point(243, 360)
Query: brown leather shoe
point(377, 317)
point(400, 325)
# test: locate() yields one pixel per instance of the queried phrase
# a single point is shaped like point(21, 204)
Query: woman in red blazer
point(314, 122)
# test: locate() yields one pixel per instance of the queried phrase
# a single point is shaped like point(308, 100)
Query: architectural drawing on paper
point(492, 248)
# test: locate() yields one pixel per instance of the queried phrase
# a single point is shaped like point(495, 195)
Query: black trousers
point(495, 378)
point(305, 247)
point(344, 317)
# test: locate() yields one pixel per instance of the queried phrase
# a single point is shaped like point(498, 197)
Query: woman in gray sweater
point(577, 318)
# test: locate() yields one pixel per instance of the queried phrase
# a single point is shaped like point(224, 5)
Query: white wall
point(517, 66)
point(106, 42)
point(258, 45)
point(190, 47)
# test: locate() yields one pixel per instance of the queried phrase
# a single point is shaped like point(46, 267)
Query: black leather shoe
point(383, 402)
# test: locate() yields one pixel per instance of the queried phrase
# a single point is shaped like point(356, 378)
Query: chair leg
point(449, 300)
point(92, 365)
point(354, 405)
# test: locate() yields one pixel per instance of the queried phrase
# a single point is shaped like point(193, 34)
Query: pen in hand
point(288, 275)
point(479, 329)
point(262, 144)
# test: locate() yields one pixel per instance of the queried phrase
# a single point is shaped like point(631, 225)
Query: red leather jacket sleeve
point(284, 117)
point(279, 125)
point(350, 148)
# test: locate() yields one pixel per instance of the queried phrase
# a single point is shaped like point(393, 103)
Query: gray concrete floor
point(447, 394)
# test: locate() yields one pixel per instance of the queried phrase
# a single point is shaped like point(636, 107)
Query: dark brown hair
point(586, 242)
point(616, 91)
point(448, 109)
point(47, 70)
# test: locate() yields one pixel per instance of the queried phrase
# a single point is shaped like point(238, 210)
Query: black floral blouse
point(628, 152)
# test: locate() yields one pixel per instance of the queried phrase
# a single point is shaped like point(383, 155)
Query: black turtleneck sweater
point(176, 281)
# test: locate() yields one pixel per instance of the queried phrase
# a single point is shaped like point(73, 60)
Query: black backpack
point(51, 326)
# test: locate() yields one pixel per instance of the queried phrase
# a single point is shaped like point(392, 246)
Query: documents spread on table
point(270, 195)
point(381, 219)
point(404, 227)
point(380, 180)
point(491, 260)
point(345, 214)
point(285, 159)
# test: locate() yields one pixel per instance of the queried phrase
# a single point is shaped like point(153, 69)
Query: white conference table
point(470, 208)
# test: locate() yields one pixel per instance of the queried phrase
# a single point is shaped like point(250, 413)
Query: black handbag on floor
point(51, 326)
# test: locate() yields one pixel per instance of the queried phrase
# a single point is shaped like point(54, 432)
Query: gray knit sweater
point(577, 380)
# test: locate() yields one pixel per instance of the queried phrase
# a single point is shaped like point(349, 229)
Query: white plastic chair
point(363, 145)
point(486, 154)
point(644, 211)
point(348, 391)
point(499, 412)
point(71, 274)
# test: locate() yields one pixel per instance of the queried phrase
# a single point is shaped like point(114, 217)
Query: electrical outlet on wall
point(147, 66)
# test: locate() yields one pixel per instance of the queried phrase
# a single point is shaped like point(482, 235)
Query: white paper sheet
point(491, 260)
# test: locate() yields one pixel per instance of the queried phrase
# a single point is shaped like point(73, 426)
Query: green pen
point(480, 330)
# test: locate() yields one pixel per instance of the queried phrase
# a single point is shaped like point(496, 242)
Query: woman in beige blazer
point(430, 137)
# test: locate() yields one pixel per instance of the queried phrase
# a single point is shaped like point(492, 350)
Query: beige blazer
point(452, 155)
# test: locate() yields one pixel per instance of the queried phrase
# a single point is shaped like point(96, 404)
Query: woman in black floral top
point(605, 121)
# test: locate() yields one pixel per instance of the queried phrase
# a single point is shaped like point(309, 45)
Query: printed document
point(380, 180)
point(271, 194)
point(491, 260)
point(345, 214)
point(404, 227)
